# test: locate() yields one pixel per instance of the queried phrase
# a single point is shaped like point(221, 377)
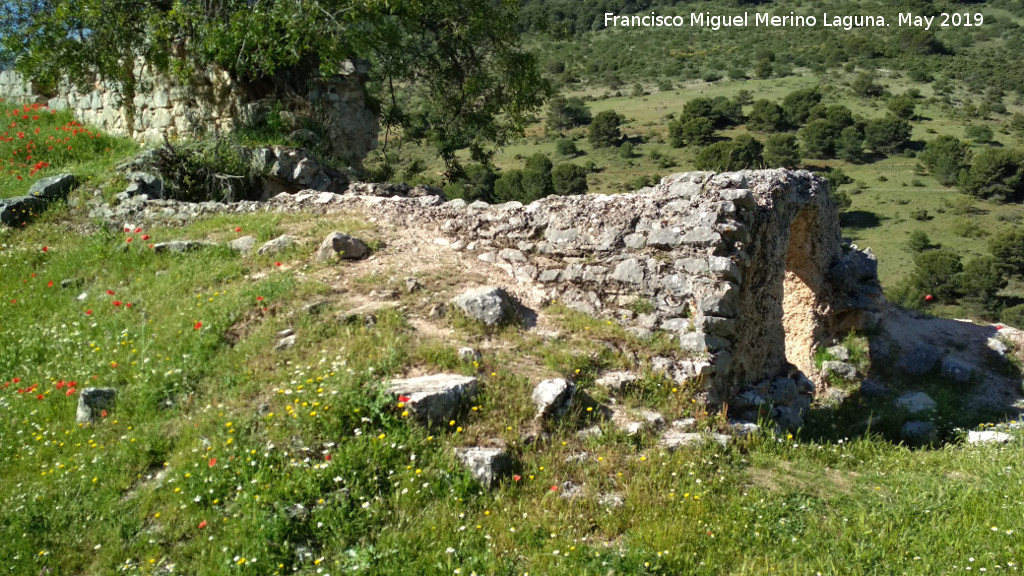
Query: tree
point(567, 113)
point(1008, 249)
point(569, 179)
point(566, 147)
point(455, 69)
point(918, 241)
point(888, 134)
point(477, 183)
point(766, 116)
point(509, 186)
point(1014, 316)
point(781, 151)
point(995, 173)
point(864, 85)
point(798, 105)
point(944, 157)
point(837, 116)
point(850, 146)
point(695, 132)
point(981, 280)
point(902, 106)
point(935, 272)
point(819, 139)
point(742, 152)
point(604, 130)
point(979, 133)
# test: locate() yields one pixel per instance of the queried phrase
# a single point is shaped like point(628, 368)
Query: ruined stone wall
point(211, 102)
point(746, 270)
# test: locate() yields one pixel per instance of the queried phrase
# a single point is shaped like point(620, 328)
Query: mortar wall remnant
point(747, 270)
point(211, 102)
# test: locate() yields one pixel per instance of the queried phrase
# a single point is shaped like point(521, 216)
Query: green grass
point(241, 434)
point(39, 142)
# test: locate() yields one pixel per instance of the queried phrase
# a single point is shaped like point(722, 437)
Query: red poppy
point(277, 263)
point(46, 248)
point(50, 284)
point(40, 397)
point(110, 292)
point(15, 380)
point(69, 392)
point(128, 305)
point(137, 230)
point(403, 398)
point(929, 298)
point(103, 414)
point(88, 312)
point(128, 240)
point(554, 488)
point(213, 462)
point(327, 457)
point(117, 302)
point(238, 229)
point(197, 326)
point(145, 236)
point(259, 298)
point(202, 524)
point(517, 477)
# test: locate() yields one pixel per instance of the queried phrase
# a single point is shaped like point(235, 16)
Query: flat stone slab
point(676, 438)
point(915, 402)
point(488, 465)
point(436, 399)
point(987, 437)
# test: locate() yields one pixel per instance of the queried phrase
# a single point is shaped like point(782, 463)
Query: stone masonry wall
point(746, 269)
point(211, 102)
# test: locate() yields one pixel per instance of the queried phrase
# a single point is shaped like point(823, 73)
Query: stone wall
point(746, 270)
point(211, 102)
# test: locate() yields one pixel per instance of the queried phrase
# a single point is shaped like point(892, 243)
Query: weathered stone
point(919, 360)
point(488, 304)
point(277, 245)
point(344, 246)
point(919, 432)
point(552, 397)
point(436, 399)
point(675, 438)
point(467, 354)
point(957, 370)
point(181, 246)
point(841, 369)
point(412, 284)
point(839, 352)
point(872, 388)
point(629, 271)
point(243, 245)
point(92, 402)
point(617, 382)
point(915, 402)
point(285, 343)
point(663, 238)
point(487, 465)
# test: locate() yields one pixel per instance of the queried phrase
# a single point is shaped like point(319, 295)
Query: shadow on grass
point(860, 219)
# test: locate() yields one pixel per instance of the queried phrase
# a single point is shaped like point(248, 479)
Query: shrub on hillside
point(945, 157)
point(604, 130)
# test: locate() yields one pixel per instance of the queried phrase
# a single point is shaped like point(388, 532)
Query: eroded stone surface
point(488, 465)
point(92, 402)
point(488, 304)
point(435, 399)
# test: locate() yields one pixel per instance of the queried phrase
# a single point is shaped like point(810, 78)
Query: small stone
point(841, 369)
point(617, 382)
point(341, 244)
point(180, 246)
point(412, 285)
point(570, 490)
point(243, 245)
point(663, 238)
point(384, 294)
point(277, 245)
point(553, 397)
point(957, 370)
point(611, 500)
point(839, 352)
point(919, 432)
point(489, 304)
point(92, 402)
point(285, 333)
point(285, 343)
point(436, 399)
point(467, 354)
point(915, 402)
point(872, 388)
point(487, 465)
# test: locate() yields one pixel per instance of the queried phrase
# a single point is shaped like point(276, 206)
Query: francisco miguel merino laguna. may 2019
point(763, 19)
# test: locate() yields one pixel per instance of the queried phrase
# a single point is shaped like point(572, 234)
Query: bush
point(1014, 316)
point(935, 272)
point(742, 152)
point(695, 132)
point(850, 145)
point(979, 133)
point(626, 150)
point(902, 106)
point(945, 157)
point(604, 130)
point(921, 215)
point(566, 147)
point(567, 113)
point(1008, 248)
point(981, 280)
point(819, 139)
point(766, 116)
point(781, 151)
point(798, 105)
point(476, 184)
point(568, 179)
point(887, 135)
point(918, 241)
point(995, 173)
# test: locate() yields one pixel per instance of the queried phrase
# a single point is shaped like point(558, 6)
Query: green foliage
point(996, 173)
point(742, 152)
point(864, 85)
point(569, 179)
point(567, 113)
point(781, 151)
point(477, 183)
point(452, 74)
point(818, 138)
point(936, 273)
point(902, 106)
point(695, 132)
point(604, 130)
point(918, 241)
point(981, 280)
point(626, 150)
point(798, 105)
point(1008, 249)
point(1014, 316)
point(509, 186)
point(887, 135)
point(566, 147)
point(945, 157)
point(979, 133)
point(766, 116)
point(850, 145)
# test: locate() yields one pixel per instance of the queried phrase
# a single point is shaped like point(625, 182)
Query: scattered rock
point(384, 294)
point(957, 370)
point(181, 246)
point(998, 346)
point(488, 465)
point(590, 432)
point(617, 382)
point(570, 490)
point(144, 183)
point(841, 369)
point(467, 354)
point(742, 428)
point(277, 245)
point(553, 397)
point(915, 402)
point(919, 432)
point(839, 352)
point(872, 388)
point(675, 438)
point(316, 307)
point(19, 210)
point(297, 512)
point(92, 402)
point(285, 343)
point(436, 311)
point(626, 423)
point(919, 360)
point(611, 500)
point(345, 246)
point(285, 333)
point(243, 245)
point(987, 436)
point(436, 399)
point(489, 304)
point(412, 285)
